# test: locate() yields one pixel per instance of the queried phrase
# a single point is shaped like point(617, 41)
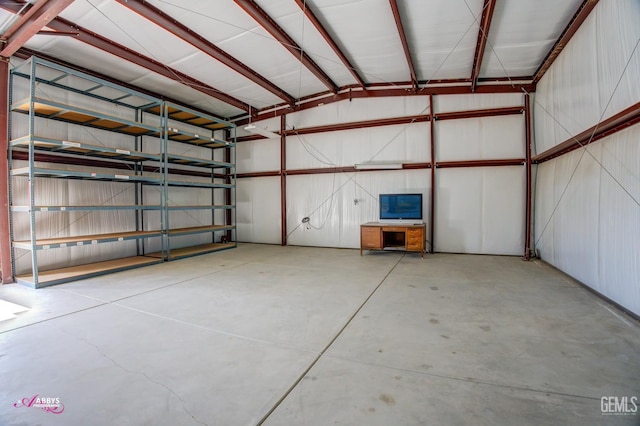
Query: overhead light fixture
point(260, 131)
point(374, 165)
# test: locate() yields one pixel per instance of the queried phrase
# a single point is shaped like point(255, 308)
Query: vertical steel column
point(228, 196)
point(164, 195)
point(433, 174)
point(527, 123)
point(137, 190)
point(5, 239)
point(31, 186)
point(283, 179)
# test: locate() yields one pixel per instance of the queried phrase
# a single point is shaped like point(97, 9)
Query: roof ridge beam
point(405, 45)
point(330, 41)
point(266, 22)
point(483, 36)
point(166, 22)
point(572, 27)
point(29, 24)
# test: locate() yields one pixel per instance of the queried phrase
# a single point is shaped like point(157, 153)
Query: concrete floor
point(310, 336)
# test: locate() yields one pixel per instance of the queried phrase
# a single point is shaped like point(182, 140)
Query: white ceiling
point(441, 36)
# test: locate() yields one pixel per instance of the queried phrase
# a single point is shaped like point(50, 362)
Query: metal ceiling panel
point(137, 33)
point(522, 34)
point(293, 21)
point(231, 29)
point(367, 33)
point(83, 55)
point(442, 36)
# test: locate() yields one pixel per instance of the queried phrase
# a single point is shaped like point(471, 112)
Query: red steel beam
point(432, 131)
point(490, 112)
point(261, 17)
point(359, 125)
point(481, 163)
point(324, 170)
point(578, 18)
point(405, 44)
point(30, 23)
point(620, 121)
point(327, 37)
point(483, 35)
point(5, 243)
point(528, 201)
point(352, 169)
point(314, 101)
point(283, 180)
point(410, 166)
point(29, 11)
point(166, 22)
point(59, 33)
point(258, 174)
point(346, 126)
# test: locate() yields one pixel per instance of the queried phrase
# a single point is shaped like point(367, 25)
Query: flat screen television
point(400, 207)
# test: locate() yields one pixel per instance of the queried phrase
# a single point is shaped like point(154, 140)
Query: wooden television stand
point(379, 236)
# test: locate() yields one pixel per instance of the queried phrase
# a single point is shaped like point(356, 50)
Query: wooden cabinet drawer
point(393, 229)
point(417, 245)
point(370, 237)
point(415, 239)
point(414, 233)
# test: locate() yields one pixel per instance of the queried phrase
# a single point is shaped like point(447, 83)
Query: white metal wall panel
point(359, 110)
point(258, 156)
point(337, 204)
point(595, 76)
point(258, 210)
point(451, 103)
point(480, 210)
point(590, 227)
point(480, 138)
point(406, 143)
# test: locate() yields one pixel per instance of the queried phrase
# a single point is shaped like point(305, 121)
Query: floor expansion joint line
point(176, 283)
point(212, 330)
point(107, 302)
point(52, 318)
point(326, 348)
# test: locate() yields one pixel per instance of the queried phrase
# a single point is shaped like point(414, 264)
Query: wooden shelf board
point(56, 276)
point(194, 250)
point(97, 237)
point(203, 207)
point(25, 208)
point(198, 229)
point(82, 116)
point(79, 148)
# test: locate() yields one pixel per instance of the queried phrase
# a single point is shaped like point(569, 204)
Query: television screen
point(400, 206)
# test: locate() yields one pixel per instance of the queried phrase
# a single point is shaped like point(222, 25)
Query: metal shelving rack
point(34, 145)
point(194, 130)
